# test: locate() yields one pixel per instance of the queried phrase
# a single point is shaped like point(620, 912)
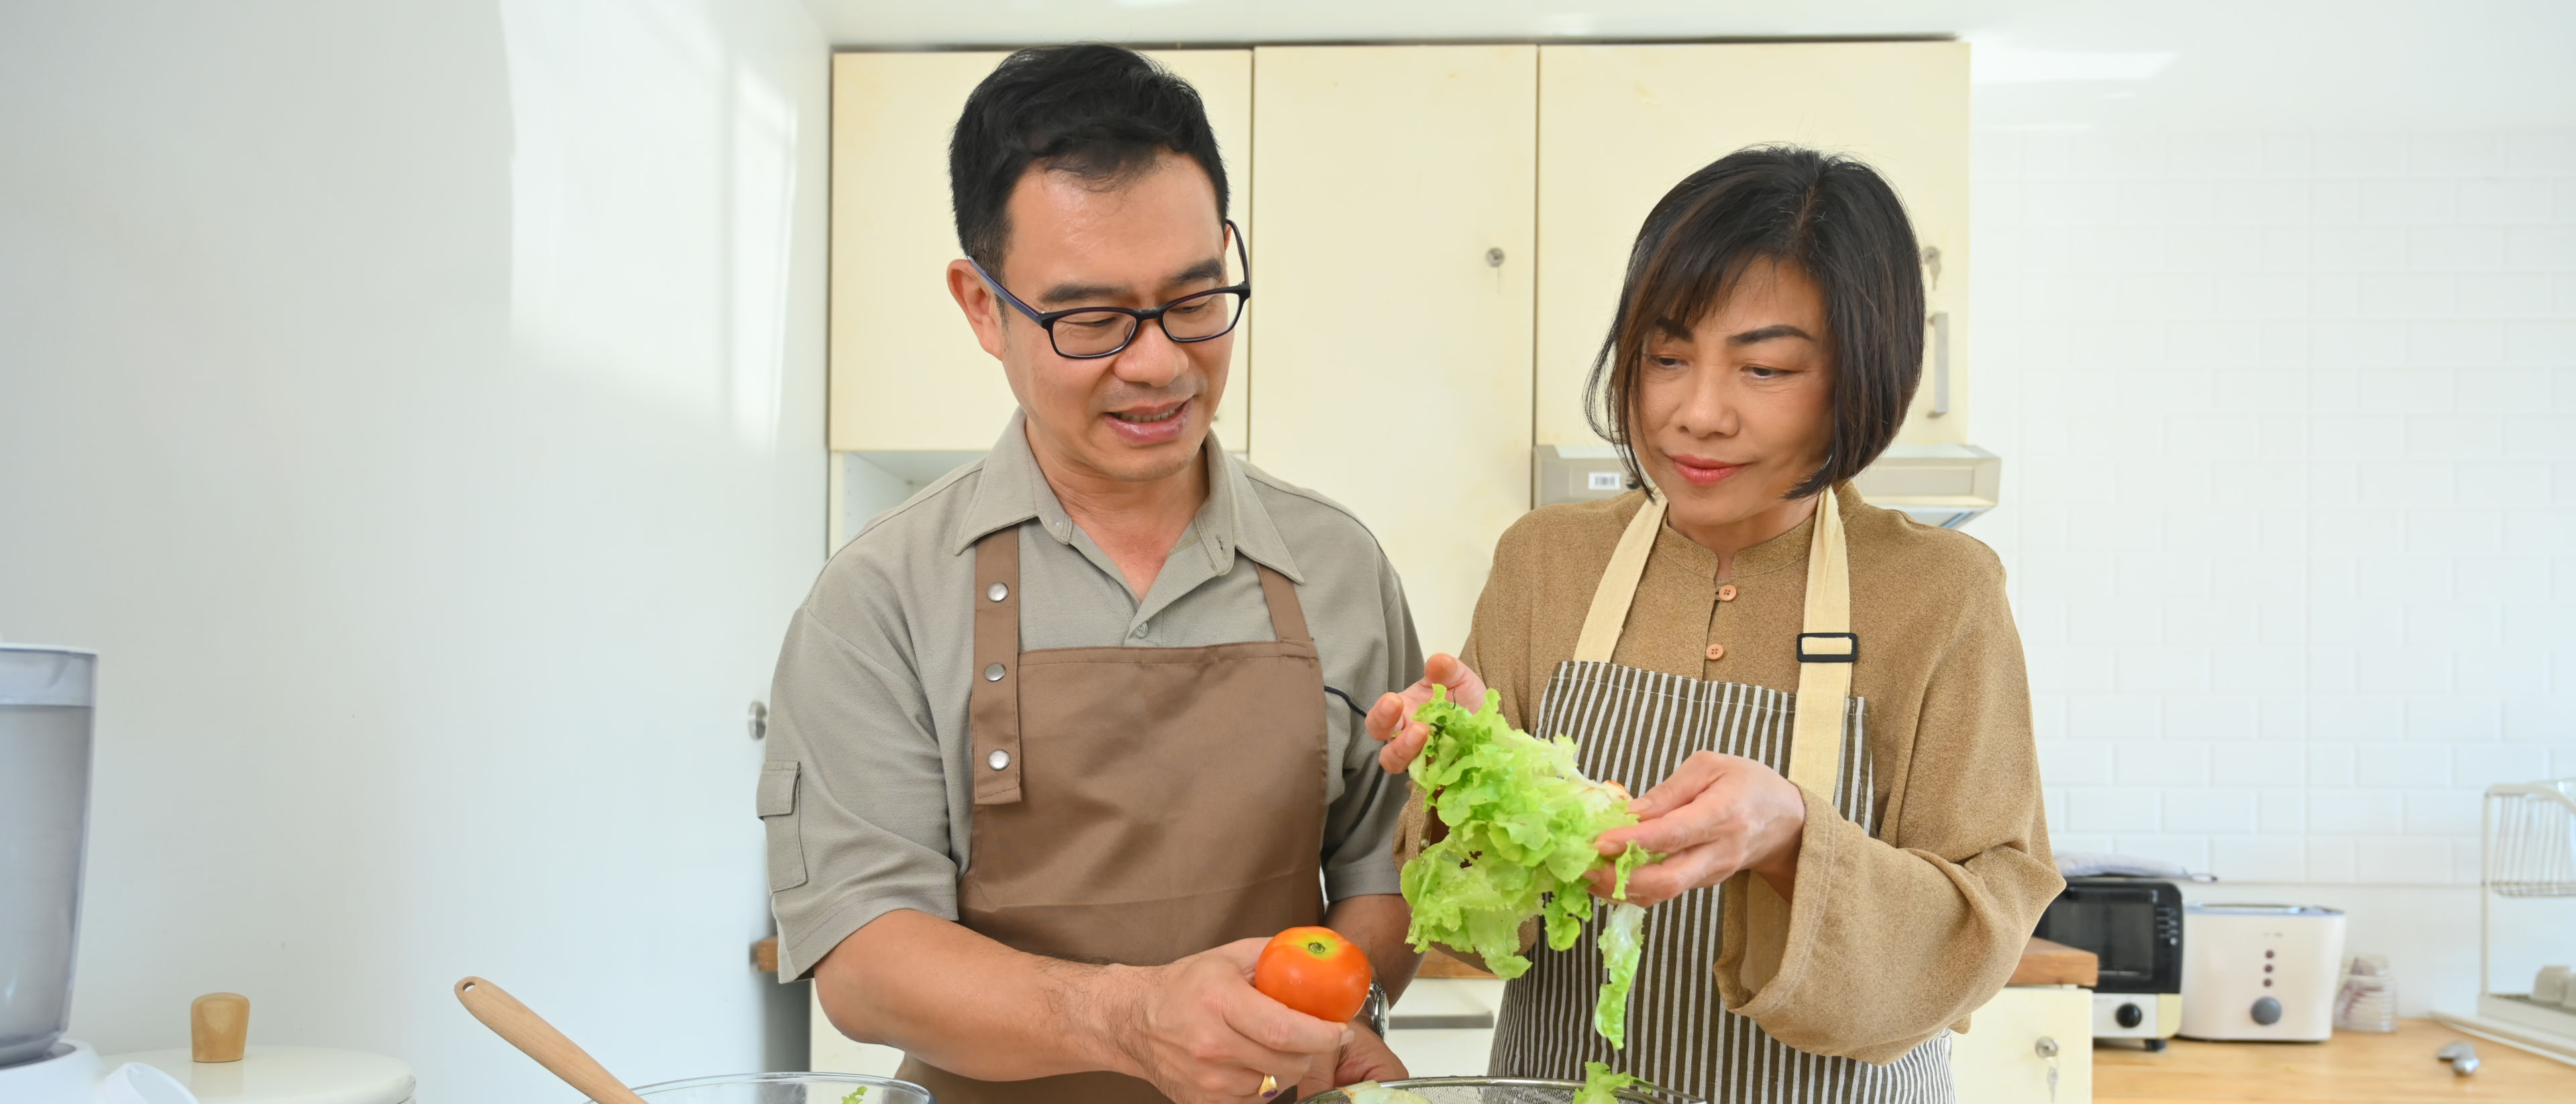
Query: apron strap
point(1609, 613)
point(1826, 652)
point(993, 705)
point(1287, 618)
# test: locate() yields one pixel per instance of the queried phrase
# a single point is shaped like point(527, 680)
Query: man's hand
point(1716, 815)
point(1201, 1033)
point(1391, 719)
point(1365, 1058)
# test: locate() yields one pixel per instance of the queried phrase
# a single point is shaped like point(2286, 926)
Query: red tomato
point(1315, 971)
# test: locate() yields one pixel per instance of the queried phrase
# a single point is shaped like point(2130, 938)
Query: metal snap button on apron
point(997, 592)
point(1000, 759)
point(993, 672)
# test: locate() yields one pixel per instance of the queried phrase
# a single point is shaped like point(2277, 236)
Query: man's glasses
point(1089, 333)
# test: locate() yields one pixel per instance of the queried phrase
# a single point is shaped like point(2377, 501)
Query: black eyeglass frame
point(1046, 320)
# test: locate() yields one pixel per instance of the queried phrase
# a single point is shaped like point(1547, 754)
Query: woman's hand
point(1717, 815)
point(1391, 719)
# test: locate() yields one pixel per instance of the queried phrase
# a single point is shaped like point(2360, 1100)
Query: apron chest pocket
point(777, 807)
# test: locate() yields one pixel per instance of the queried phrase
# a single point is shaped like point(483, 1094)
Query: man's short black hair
point(1103, 113)
point(1830, 216)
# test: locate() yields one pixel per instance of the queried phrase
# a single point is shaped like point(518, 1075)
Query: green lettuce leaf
point(1623, 942)
point(1601, 1086)
point(1522, 819)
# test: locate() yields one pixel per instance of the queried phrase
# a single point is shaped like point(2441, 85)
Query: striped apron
point(1636, 727)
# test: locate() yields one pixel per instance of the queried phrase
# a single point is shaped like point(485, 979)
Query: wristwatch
point(1374, 1009)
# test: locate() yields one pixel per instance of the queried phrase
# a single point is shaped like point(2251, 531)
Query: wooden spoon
point(530, 1032)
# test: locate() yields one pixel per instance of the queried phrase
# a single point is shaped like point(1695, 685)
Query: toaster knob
point(2267, 1011)
point(2128, 1015)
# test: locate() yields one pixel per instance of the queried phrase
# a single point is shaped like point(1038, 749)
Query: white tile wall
point(2290, 428)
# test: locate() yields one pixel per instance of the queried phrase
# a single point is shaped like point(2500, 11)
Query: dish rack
point(2527, 850)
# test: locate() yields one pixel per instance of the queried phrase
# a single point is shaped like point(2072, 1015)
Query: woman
point(1765, 349)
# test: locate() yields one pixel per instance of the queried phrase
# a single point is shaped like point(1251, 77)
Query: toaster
point(2134, 926)
point(2260, 971)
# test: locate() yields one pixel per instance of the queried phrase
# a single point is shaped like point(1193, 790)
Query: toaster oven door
point(2135, 927)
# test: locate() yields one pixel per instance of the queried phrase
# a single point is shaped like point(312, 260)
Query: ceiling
point(2243, 64)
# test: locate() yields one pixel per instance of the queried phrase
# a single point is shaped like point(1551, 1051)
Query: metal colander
point(1506, 1090)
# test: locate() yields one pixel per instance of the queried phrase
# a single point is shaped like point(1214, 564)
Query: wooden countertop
point(2042, 963)
point(2352, 1068)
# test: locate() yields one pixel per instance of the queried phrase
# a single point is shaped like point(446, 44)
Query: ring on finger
point(1269, 1086)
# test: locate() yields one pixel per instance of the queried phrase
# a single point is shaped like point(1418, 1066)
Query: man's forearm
point(971, 1006)
point(1377, 922)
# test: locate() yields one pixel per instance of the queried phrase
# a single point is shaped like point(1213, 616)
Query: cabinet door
point(1620, 125)
point(1391, 262)
point(906, 374)
point(2002, 1059)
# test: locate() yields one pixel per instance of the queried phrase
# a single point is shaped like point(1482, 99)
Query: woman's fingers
point(1663, 825)
point(1384, 716)
point(1391, 719)
point(1447, 670)
point(1682, 872)
point(1738, 814)
point(1696, 773)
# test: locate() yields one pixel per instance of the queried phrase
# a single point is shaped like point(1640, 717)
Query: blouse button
point(1717, 651)
point(1725, 594)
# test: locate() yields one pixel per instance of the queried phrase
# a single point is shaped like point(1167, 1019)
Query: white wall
point(2291, 496)
point(420, 406)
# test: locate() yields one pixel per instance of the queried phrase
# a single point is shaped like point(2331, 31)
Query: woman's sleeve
point(1888, 942)
point(1498, 640)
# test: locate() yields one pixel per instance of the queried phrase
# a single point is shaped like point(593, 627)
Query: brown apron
point(1135, 805)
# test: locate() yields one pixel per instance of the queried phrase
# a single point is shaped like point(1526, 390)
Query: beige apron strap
point(1618, 587)
point(993, 706)
point(1287, 618)
point(1826, 652)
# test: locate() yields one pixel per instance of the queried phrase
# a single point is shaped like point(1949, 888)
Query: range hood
point(1939, 485)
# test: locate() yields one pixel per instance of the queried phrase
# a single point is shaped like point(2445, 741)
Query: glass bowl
point(785, 1088)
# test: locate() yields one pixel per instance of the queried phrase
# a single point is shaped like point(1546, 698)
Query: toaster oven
point(2134, 925)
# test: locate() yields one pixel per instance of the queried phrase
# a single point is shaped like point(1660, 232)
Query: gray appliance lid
point(38, 674)
point(2215, 909)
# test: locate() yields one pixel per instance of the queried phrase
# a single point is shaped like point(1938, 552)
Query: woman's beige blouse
point(1890, 940)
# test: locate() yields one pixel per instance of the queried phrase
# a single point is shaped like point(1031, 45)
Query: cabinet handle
point(1494, 257)
point(1940, 363)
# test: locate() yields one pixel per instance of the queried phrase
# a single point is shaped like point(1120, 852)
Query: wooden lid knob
point(218, 1027)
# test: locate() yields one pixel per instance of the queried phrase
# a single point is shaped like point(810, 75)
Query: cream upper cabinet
point(1620, 125)
point(1393, 282)
point(906, 373)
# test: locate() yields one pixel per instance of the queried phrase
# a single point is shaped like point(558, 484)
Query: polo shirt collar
point(1012, 490)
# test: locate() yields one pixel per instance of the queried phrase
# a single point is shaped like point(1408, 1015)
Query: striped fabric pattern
point(1636, 727)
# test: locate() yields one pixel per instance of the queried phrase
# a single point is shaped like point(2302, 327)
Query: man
point(1058, 743)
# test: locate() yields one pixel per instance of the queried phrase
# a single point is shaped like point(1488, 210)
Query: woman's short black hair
point(1100, 112)
point(1832, 217)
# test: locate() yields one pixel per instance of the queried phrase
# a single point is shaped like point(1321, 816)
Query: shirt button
point(993, 673)
point(1141, 626)
point(1717, 651)
point(1724, 594)
point(999, 759)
